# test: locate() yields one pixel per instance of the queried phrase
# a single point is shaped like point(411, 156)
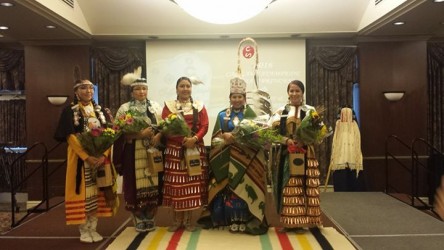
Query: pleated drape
point(13, 122)
point(332, 71)
point(109, 65)
point(12, 70)
point(12, 109)
point(435, 75)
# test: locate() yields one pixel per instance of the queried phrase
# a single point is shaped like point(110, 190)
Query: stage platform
point(367, 220)
point(374, 220)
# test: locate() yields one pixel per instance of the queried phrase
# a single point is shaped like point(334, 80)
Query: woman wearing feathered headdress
point(140, 184)
point(84, 200)
point(236, 195)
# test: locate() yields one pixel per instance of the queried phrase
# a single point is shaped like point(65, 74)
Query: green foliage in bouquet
point(252, 134)
point(174, 125)
point(312, 129)
point(96, 141)
point(131, 122)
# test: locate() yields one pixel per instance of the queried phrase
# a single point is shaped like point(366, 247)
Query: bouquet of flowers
point(174, 125)
point(253, 134)
point(312, 129)
point(96, 141)
point(131, 122)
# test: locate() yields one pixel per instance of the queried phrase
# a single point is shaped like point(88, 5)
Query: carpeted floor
point(47, 230)
point(368, 220)
point(375, 220)
point(217, 239)
point(5, 220)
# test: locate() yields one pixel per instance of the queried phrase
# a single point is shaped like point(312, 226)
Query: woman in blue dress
point(237, 182)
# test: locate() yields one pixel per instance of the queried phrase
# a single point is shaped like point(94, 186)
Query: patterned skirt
point(90, 201)
point(300, 203)
point(180, 190)
point(139, 185)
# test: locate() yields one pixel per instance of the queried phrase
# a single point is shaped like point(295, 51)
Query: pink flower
point(96, 132)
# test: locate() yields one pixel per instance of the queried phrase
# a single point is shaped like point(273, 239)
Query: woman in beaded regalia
point(296, 195)
point(140, 184)
point(237, 184)
point(181, 191)
point(84, 201)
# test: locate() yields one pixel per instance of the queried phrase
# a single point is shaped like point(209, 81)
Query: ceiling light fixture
point(223, 11)
point(399, 23)
point(4, 27)
point(50, 26)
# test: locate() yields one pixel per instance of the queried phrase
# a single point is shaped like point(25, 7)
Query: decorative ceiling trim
point(391, 16)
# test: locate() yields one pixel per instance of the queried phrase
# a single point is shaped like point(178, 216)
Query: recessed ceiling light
point(4, 27)
point(6, 4)
point(50, 26)
point(399, 23)
point(438, 1)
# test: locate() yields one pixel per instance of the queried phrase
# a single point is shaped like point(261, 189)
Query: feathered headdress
point(195, 81)
point(259, 99)
point(133, 79)
point(78, 81)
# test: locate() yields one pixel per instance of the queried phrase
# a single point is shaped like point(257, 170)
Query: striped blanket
point(222, 239)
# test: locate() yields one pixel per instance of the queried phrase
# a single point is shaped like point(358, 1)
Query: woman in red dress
point(181, 191)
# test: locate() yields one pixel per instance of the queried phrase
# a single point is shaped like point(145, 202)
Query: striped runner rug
point(215, 239)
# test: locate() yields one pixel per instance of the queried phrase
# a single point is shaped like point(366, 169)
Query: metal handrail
point(416, 163)
point(44, 166)
point(387, 154)
point(414, 167)
point(49, 174)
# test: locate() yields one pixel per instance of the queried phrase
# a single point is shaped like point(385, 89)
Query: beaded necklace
point(235, 119)
point(82, 113)
point(184, 107)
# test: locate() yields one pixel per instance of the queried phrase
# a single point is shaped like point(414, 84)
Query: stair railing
point(389, 155)
point(43, 205)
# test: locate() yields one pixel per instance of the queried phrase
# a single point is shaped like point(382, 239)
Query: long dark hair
point(297, 83)
point(183, 78)
point(186, 79)
point(195, 112)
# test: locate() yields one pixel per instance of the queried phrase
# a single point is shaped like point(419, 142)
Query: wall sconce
point(57, 100)
point(394, 96)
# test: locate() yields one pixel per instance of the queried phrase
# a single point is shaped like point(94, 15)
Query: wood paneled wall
point(389, 66)
point(49, 70)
